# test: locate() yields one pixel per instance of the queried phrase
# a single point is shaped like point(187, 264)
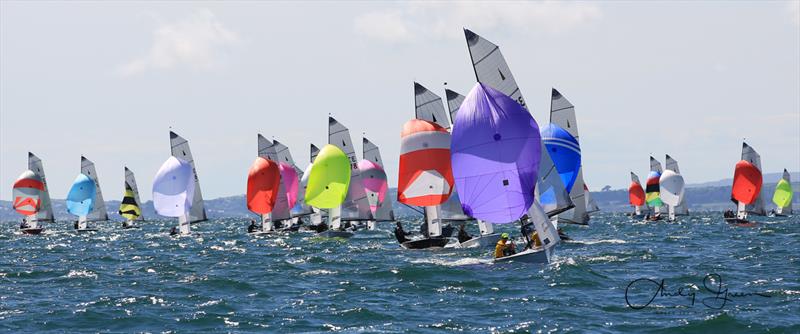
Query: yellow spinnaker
point(783, 194)
point(329, 178)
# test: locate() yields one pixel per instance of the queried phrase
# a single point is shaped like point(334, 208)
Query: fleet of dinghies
point(480, 158)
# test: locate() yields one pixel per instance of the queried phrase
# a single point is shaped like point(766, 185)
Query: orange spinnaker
point(636, 194)
point(746, 182)
point(263, 182)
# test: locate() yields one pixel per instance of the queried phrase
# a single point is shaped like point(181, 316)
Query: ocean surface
point(222, 280)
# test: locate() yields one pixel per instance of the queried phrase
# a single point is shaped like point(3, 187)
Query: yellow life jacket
point(499, 248)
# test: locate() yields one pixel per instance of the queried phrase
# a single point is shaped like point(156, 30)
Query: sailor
point(535, 241)
point(400, 234)
point(126, 224)
point(24, 224)
point(463, 236)
point(173, 231)
point(252, 227)
point(504, 247)
point(76, 225)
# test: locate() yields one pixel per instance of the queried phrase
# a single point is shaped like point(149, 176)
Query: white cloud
point(197, 42)
point(440, 20)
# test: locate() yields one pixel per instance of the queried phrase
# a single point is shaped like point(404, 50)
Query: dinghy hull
point(335, 234)
point(527, 256)
point(438, 242)
point(32, 231)
point(483, 241)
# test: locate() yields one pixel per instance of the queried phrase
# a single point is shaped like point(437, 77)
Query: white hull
point(335, 234)
point(483, 241)
point(538, 255)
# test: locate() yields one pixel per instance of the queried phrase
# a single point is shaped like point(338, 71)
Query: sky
point(109, 80)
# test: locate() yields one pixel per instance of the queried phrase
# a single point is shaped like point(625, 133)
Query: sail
point(173, 188)
point(328, 178)
point(747, 182)
point(180, 150)
point(356, 205)
point(26, 194)
point(672, 164)
point(454, 101)
point(81, 196)
point(591, 204)
point(133, 203)
point(314, 153)
point(565, 152)
point(652, 189)
point(562, 114)
point(263, 180)
point(749, 154)
point(99, 212)
point(491, 69)
point(281, 208)
point(496, 150)
point(46, 207)
point(428, 106)
point(374, 183)
point(292, 179)
point(372, 153)
point(636, 194)
point(783, 194)
point(671, 188)
point(425, 177)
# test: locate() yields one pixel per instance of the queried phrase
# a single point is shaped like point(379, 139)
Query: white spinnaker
point(491, 69)
point(749, 154)
point(428, 106)
point(131, 181)
point(672, 164)
point(45, 213)
point(281, 209)
point(99, 211)
point(180, 149)
point(173, 188)
point(562, 113)
point(371, 152)
point(356, 205)
point(671, 186)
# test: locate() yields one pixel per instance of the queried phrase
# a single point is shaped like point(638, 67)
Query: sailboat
point(26, 198)
point(429, 107)
point(288, 187)
point(591, 204)
point(565, 151)
point(749, 154)
point(314, 214)
point(263, 184)
point(356, 206)
point(425, 177)
point(375, 184)
point(671, 190)
point(81, 199)
point(45, 213)
point(295, 192)
point(652, 190)
point(672, 164)
point(747, 181)
point(783, 195)
point(99, 211)
point(491, 69)
point(636, 196)
point(130, 208)
point(180, 149)
point(173, 193)
point(496, 151)
point(328, 184)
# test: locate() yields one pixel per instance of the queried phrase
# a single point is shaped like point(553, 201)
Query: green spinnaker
point(329, 178)
point(783, 194)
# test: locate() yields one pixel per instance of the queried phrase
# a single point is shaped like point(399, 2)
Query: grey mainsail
point(280, 210)
point(786, 210)
point(672, 164)
point(99, 212)
point(130, 180)
point(750, 154)
point(45, 213)
point(428, 106)
point(655, 166)
point(454, 101)
point(491, 69)
point(356, 205)
point(285, 156)
point(562, 113)
point(179, 148)
point(314, 152)
point(372, 153)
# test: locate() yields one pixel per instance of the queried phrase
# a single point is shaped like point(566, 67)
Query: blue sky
point(107, 80)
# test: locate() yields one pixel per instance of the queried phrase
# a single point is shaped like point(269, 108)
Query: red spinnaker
point(263, 182)
point(426, 178)
point(746, 182)
point(636, 194)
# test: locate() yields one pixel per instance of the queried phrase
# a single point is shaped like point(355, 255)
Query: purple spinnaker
point(495, 152)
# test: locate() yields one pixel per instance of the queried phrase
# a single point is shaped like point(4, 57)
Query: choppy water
point(222, 280)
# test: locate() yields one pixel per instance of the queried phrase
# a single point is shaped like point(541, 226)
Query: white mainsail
point(131, 181)
point(372, 153)
point(99, 212)
point(180, 149)
point(491, 69)
point(45, 213)
point(562, 113)
point(356, 205)
point(749, 154)
point(672, 164)
point(591, 204)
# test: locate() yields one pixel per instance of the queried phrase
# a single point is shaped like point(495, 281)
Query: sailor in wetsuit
point(400, 234)
point(173, 231)
point(463, 236)
point(252, 227)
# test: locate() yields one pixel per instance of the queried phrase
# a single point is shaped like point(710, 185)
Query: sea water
point(222, 280)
